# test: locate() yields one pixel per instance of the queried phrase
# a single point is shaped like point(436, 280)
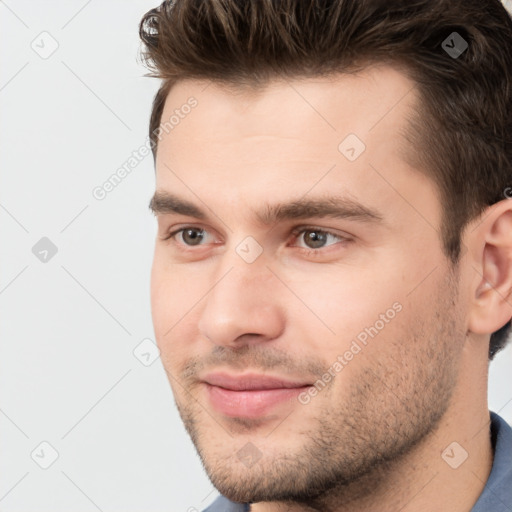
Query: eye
point(315, 238)
point(190, 235)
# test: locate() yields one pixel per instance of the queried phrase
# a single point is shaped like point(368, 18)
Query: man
point(333, 267)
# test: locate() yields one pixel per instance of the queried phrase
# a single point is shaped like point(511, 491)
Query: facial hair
point(389, 406)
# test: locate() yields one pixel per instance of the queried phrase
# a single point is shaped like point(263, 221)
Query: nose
point(243, 307)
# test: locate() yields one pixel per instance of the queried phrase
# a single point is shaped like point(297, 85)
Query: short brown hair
point(460, 133)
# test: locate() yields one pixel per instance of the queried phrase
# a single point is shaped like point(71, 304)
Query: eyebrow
point(336, 207)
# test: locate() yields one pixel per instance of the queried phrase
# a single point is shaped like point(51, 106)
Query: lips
point(251, 382)
point(250, 395)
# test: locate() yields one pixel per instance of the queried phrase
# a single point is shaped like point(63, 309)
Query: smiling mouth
point(250, 395)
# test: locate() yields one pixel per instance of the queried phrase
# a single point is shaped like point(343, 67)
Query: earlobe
point(491, 306)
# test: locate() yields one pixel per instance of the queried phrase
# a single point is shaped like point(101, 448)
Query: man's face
point(362, 305)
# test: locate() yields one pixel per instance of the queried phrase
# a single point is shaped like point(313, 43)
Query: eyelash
point(297, 231)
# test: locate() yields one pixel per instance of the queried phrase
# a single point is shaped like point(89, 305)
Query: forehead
point(372, 103)
point(357, 101)
point(289, 138)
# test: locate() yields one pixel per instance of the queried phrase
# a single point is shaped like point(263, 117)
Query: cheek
point(169, 325)
point(360, 316)
point(177, 296)
point(345, 301)
point(171, 298)
point(175, 288)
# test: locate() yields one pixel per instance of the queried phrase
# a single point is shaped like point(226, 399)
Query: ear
point(491, 294)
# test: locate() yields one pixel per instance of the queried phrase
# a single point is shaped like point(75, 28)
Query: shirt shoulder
point(222, 504)
point(497, 494)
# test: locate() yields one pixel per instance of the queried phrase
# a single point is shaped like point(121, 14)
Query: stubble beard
point(347, 452)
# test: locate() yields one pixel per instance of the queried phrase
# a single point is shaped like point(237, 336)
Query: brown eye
point(192, 236)
point(316, 241)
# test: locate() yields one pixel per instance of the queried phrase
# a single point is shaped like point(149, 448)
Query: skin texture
point(375, 435)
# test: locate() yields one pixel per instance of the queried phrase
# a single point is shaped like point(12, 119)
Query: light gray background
point(69, 326)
